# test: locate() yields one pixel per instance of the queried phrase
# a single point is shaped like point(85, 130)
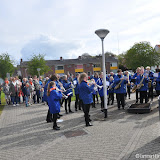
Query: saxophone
point(119, 84)
point(141, 83)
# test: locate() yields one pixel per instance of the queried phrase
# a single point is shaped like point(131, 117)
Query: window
point(69, 66)
point(79, 66)
point(113, 64)
point(89, 73)
point(59, 67)
point(96, 65)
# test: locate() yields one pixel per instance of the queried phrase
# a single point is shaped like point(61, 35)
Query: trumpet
point(61, 86)
point(64, 96)
point(96, 85)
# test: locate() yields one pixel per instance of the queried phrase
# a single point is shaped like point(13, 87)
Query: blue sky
point(66, 27)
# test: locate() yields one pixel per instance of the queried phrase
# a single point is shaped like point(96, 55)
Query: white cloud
point(66, 27)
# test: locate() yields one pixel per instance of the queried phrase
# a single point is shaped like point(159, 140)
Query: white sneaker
point(14, 105)
point(17, 104)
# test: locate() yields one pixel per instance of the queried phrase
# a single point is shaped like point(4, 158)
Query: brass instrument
point(64, 96)
point(128, 80)
point(111, 86)
point(138, 86)
point(119, 84)
point(134, 88)
point(61, 86)
point(150, 84)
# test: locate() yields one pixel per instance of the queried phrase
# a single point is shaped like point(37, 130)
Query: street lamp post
point(38, 69)
point(101, 33)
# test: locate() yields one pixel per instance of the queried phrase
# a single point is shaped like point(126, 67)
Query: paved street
point(25, 135)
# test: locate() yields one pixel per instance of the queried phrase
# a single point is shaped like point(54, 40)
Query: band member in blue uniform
point(126, 74)
point(111, 91)
point(76, 91)
point(96, 93)
point(85, 91)
point(157, 81)
point(120, 88)
point(150, 82)
point(53, 102)
point(45, 98)
point(133, 79)
point(69, 93)
point(142, 83)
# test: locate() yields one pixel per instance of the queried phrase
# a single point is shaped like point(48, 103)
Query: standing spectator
point(6, 92)
point(27, 94)
point(37, 89)
point(31, 87)
point(14, 92)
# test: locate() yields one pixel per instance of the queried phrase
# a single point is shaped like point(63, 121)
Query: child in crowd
point(27, 94)
point(54, 102)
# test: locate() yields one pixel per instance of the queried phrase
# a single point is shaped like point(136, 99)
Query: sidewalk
point(25, 135)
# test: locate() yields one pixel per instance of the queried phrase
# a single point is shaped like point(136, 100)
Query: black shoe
point(79, 108)
point(49, 121)
point(76, 110)
point(89, 124)
point(66, 112)
point(60, 115)
point(90, 120)
point(71, 111)
point(56, 128)
point(118, 108)
point(112, 103)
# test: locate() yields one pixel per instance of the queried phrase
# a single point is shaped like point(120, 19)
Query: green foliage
point(141, 54)
point(37, 61)
point(6, 65)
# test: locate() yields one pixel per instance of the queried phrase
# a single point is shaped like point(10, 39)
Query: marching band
point(143, 82)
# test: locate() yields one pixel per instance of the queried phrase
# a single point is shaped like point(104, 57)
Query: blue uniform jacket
point(121, 89)
point(100, 90)
point(53, 101)
point(76, 89)
point(145, 82)
point(67, 86)
point(45, 97)
point(151, 77)
point(85, 92)
point(113, 85)
point(158, 82)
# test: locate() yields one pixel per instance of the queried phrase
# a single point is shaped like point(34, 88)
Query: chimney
point(80, 58)
point(61, 58)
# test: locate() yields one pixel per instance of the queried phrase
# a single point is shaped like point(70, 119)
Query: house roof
point(75, 61)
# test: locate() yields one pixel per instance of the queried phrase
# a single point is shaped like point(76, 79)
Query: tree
point(6, 65)
point(86, 55)
point(37, 61)
point(141, 54)
point(121, 62)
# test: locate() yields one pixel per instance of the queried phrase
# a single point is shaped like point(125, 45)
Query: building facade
point(79, 65)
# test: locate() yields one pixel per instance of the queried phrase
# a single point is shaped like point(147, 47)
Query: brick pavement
point(25, 135)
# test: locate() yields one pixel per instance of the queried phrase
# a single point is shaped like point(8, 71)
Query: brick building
point(63, 66)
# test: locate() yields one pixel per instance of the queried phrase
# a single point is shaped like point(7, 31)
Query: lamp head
point(101, 33)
